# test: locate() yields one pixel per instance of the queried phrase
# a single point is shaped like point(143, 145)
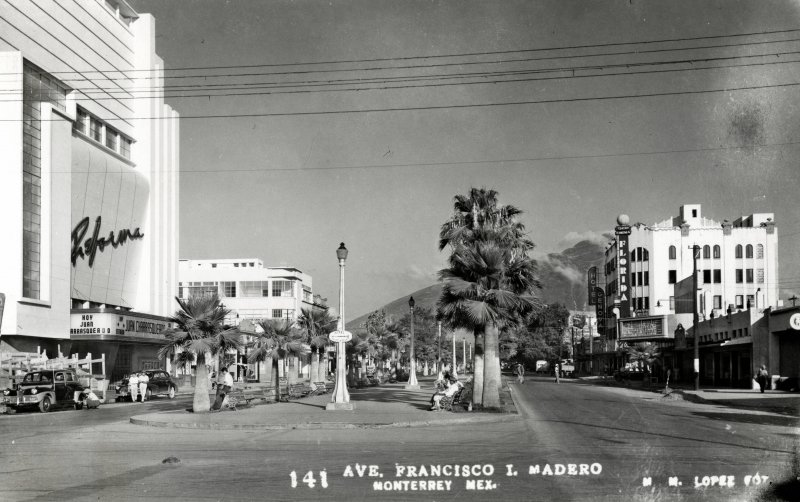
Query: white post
point(340, 399)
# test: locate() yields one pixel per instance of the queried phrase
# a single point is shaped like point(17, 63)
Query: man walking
point(520, 373)
point(143, 381)
point(133, 386)
point(763, 378)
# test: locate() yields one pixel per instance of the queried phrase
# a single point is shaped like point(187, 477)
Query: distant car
point(160, 384)
point(45, 389)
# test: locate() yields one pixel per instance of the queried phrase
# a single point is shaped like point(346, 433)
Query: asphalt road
point(615, 440)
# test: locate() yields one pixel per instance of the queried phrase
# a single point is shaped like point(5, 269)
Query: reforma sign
point(109, 203)
point(116, 325)
point(644, 328)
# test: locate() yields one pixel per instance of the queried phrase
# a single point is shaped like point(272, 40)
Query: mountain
point(563, 278)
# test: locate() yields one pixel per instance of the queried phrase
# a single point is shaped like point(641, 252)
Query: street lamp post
point(412, 379)
point(439, 357)
point(340, 400)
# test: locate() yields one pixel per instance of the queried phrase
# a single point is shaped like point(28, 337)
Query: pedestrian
point(143, 381)
point(762, 378)
point(224, 386)
point(558, 372)
point(133, 386)
point(520, 373)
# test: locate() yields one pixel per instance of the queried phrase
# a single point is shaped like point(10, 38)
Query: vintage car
point(159, 383)
point(45, 389)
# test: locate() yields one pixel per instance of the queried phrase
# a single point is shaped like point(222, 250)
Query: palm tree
point(277, 340)
point(489, 278)
point(199, 331)
point(644, 354)
point(317, 324)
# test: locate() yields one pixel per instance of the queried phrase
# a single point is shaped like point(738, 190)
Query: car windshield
point(31, 377)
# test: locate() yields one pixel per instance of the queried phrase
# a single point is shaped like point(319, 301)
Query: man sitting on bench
point(453, 387)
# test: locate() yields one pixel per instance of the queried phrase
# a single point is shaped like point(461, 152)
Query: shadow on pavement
point(749, 418)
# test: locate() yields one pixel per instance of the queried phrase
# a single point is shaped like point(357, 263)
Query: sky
point(377, 113)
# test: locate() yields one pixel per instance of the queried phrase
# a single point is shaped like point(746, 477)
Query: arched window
point(760, 251)
point(716, 251)
point(738, 250)
point(633, 255)
point(644, 256)
point(706, 252)
point(748, 251)
point(672, 253)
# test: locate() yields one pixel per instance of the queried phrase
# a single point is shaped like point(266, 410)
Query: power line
point(456, 107)
point(467, 54)
point(492, 161)
point(208, 95)
point(158, 94)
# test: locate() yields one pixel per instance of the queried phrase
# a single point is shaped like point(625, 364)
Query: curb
point(494, 418)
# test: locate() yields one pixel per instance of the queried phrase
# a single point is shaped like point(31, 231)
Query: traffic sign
point(340, 336)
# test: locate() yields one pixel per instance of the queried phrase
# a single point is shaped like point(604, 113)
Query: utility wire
point(253, 91)
point(466, 54)
point(215, 88)
point(456, 107)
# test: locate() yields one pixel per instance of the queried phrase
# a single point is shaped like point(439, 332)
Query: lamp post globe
point(412, 377)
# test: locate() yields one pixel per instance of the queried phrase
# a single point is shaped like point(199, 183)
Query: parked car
point(160, 384)
point(45, 389)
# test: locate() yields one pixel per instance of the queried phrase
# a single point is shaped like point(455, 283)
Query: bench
point(321, 388)
point(239, 398)
point(299, 390)
point(447, 402)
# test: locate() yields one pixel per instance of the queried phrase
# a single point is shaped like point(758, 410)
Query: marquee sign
point(623, 231)
point(637, 328)
point(117, 324)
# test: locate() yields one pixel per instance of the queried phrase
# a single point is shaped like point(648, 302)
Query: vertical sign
point(622, 232)
point(592, 280)
point(600, 309)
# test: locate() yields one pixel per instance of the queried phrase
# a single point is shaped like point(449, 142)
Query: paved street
point(622, 436)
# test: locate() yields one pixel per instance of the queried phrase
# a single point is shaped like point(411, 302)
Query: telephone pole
point(695, 318)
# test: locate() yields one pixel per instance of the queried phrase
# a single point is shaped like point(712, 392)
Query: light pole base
point(340, 407)
point(412, 386)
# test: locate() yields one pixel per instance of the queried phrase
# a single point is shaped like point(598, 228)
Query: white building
point(248, 289)
point(89, 181)
point(649, 268)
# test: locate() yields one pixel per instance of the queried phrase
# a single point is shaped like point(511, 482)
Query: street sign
point(340, 336)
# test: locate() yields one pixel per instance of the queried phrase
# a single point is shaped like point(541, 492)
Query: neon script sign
point(89, 247)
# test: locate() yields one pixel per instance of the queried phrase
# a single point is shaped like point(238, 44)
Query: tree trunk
point(276, 381)
point(201, 402)
point(314, 373)
point(491, 367)
point(477, 371)
point(323, 367)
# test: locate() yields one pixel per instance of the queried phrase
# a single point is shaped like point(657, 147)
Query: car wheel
point(45, 404)
point(148, 395)
point(172, 392)
point(78, 406)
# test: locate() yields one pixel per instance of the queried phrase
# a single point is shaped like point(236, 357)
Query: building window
point(228, 289)
point(644, 255)
point(281, 314)
point(751, 301)
point(282, 288)
point(739, 302)
point(702, 303)
point(633, 279)
point(738, 250)
point(646, 278)
point(760, 251)
point(746, 332)
point(647, 303)
point(112, 139)
point(717, 276)
point(717, 302)
point(633, 254)
point(95, 129)
point(38, 87)
point(706, 276)
point(760, 275)
point(672, 303)
point(253, 289)
point(98, 131)
point(672, 253)
point(739, 276)
point(716, 251)
point(125, 147)
point(706, 252)
point(82, 124)
point(749, 275)
point(673, 276)
point(748, 251)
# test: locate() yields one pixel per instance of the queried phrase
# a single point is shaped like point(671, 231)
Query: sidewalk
point(387, 405)
point(775, 401)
